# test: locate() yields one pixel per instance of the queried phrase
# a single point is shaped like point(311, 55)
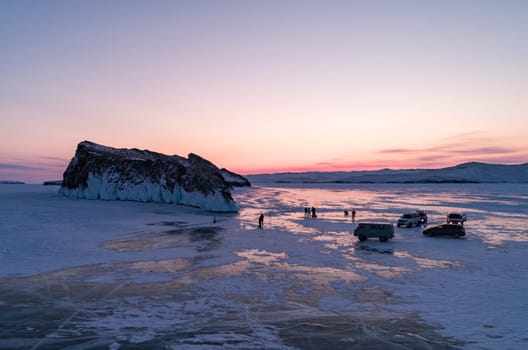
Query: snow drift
point(101, 172)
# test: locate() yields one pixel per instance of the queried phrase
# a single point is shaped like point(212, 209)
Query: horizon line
point(300, 170)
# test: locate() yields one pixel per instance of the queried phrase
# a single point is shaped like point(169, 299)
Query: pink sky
point(264, 86)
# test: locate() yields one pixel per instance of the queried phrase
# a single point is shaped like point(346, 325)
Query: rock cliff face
point(233, 179)
point(101, 172)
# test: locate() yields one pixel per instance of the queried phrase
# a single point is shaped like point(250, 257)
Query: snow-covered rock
point(234, 179)
point(101, 172)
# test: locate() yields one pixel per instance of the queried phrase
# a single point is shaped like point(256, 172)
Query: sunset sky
point(264, 86)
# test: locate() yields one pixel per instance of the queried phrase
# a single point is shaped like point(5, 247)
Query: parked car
point(383, 232)
point(416, 218)
point(451, 230)
point(423, 217)
point(456, 218)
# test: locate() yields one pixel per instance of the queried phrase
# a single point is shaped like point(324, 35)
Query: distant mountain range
point(473, 172)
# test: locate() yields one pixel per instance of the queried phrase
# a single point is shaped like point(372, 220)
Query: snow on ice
point(112, 274)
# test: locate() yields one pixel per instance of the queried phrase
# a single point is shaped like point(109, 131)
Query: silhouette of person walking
point(261, 221)
point(313, 213)
point(353, 215)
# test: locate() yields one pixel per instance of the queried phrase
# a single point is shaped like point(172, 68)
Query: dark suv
point(456, 218)
point(451, 230)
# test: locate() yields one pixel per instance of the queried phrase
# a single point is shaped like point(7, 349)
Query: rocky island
point(102, 172)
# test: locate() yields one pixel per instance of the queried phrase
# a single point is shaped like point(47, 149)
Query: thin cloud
point(485, 150)
point(398, 151)
point(51, 164)
point(12, 166)
point(450, 149)
point(464, 144)
point(56, 159)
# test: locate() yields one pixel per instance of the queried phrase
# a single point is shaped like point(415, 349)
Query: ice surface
point(112, 274)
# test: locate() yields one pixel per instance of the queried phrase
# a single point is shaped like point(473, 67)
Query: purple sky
point(258, 86)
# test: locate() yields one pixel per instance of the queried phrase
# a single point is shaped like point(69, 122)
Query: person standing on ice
point(261, 221)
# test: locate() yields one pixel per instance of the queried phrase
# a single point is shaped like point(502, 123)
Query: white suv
point(409, 219)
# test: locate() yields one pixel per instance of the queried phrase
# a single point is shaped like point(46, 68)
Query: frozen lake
point(83, 274)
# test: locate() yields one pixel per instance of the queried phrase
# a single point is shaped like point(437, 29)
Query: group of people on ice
point(310, 212)
point(353, 214)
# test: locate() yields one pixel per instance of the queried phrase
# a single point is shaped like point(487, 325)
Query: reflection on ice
point(202, 238)
point(495, 213)
point(426, 262)
point(262, 256)
point(377, 250)
point(383, 270)
point(277, 261)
